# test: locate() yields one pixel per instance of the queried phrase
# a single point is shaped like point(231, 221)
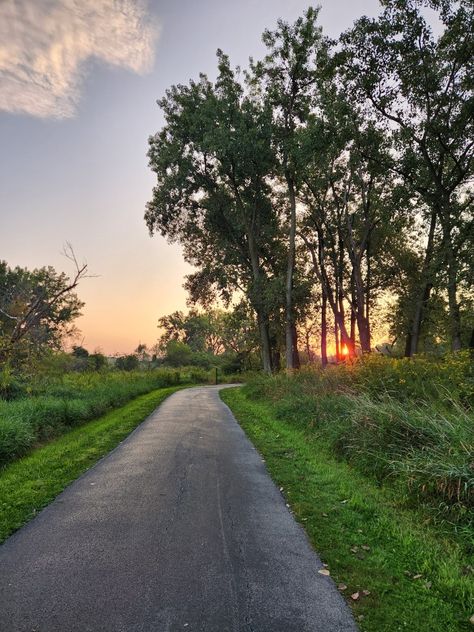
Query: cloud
point(45, 46)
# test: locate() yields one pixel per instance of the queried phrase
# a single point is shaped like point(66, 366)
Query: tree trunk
point(265, 343)
point(324, 331)
point(368, 282)
point(256, 299)
point(308, 347)
point(296, 355)
point(353, 312)
point(362, 322)
point(454, 312)
point(291, 353)
point(413, 338)
point(276, 357)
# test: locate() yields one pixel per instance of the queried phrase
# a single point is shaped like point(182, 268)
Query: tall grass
point(56, 404)
point(410, 422)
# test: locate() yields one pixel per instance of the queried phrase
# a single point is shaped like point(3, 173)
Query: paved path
point(179, 528)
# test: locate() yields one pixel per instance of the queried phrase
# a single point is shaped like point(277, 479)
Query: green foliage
point(97, 361)
point(410, 422)
point(10, 385)
point(370, 138)
point(37, 310)
point(79, 352)
point(56, 404)
point(227, 339)
point(127, 363)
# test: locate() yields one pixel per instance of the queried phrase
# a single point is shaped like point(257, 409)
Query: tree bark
point(324, 330)
point(413, 338)
point(265, 343)
point(256, 299)
point(291, 351)
point(296, 355)
point(353, 312)
point(454, 311)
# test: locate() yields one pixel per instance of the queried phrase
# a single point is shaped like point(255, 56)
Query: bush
point(410, 422)
point(10, 386)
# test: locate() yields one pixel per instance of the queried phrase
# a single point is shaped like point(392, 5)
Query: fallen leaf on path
point(355, 596)
point(341, 587)
point(324, 571)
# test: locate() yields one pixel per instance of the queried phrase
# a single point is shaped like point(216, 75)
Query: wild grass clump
point(411, 423)
point(55, 404)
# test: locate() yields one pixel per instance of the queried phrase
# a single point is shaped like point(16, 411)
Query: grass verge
point(31, 483)
point(416, 578)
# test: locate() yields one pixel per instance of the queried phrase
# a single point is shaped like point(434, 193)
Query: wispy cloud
point(45, 44)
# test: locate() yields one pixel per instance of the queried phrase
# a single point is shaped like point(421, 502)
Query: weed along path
point(179, 528)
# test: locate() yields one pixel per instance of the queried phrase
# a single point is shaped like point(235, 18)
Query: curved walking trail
point(179, 528)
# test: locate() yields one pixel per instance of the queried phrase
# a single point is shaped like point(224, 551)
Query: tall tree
point(287, 80)
point(212, 160)
point(419, 87)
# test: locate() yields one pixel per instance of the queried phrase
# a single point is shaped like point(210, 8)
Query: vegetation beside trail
point(409, 422)
point(52, 405)
point(32, 482)
point(375, 459)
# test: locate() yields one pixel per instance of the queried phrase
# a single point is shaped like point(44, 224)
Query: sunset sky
point(79, 81)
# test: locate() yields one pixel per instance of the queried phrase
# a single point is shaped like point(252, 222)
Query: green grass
point(419, 579)
point(54, 404)
point(394, 421)
point(29, 484)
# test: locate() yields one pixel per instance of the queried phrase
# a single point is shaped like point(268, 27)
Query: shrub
point(408, 421)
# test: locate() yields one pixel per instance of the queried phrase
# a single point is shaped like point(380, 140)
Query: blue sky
point(79, 80)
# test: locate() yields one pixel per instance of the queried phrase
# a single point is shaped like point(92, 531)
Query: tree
point(127, 363)
point(79, 352)
point(212, 160)
point(419, 88)
point(37, 309)
point(142, 353)
point(287, 80)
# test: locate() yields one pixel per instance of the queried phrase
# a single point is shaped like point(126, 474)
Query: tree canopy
point(331, 178)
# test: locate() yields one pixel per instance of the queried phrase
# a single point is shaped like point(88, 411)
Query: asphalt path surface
point(179, 528)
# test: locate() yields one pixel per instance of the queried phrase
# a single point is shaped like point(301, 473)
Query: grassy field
point(53, 405)
point(381, 478)
point(33, 481)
